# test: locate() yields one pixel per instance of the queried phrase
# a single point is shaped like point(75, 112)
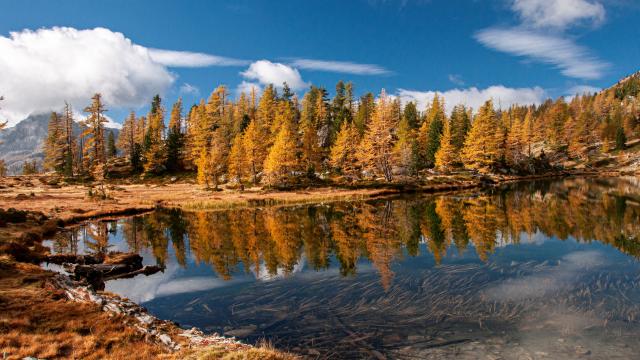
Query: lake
point(545, 269)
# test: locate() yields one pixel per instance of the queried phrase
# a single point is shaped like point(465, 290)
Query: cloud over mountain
point(474, 97)
point(42, 69)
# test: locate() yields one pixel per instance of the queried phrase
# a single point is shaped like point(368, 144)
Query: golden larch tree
point(376, 150)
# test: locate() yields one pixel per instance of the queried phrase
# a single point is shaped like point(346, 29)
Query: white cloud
point(246, 86)
point(541, 35)
point(573, 60)
point(548, 281)
point(173, 58)
point(189, 89)
point(582, 89)
point(474, 97)
point(340, 67)
point(267, 72)
point(41, 69)
point(456, 79)
point(558, 14)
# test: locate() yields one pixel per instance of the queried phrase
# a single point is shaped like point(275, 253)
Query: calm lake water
point(535, 270)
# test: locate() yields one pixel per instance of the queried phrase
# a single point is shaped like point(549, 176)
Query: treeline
point(276, 138)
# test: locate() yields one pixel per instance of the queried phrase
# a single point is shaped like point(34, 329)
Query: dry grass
point(260, 352)
point(71, 203)
point(36, 320)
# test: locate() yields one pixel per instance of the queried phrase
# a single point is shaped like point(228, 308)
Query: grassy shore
point(37, 318)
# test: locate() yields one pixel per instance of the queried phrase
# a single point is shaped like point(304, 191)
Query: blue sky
point(511, 50)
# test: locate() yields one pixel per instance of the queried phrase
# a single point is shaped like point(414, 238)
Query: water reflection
point(272, 241)
point(518, 269)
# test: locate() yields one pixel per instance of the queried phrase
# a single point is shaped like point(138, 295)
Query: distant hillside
point(627, 87)
point(24, 141)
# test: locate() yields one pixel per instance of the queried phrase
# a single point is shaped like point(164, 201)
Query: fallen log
point(146, 270)
point(75, 259)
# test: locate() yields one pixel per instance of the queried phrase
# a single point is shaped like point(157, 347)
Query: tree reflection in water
point(273, 240)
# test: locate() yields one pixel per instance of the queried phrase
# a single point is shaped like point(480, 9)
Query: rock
point(582, 351)
point(313, 352)
point(166, 339)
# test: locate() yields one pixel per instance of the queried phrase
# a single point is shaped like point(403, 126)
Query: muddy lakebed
point(543, 269)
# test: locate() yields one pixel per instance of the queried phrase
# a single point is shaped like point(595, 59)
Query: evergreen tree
point(460, 124)
point(310, 148)
point(375, 152)
point(430, 132)
point(482, 148)
point(405, 151)
point(112, 151)
point(175, 138)
point(411, 116)
point(621, 139)
point(364, 113)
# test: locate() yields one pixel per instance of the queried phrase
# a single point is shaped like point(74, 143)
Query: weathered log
point(84, 271)
point(146, 270)
point(75, 259)
point(134, 260)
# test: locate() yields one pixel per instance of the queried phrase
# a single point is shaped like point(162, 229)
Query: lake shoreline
point(29, 234)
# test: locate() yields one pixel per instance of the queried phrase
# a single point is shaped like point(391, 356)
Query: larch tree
point(127, 137)
point(216, 159)
point(514, 151)
point(281, 160)
point(526, 133)
point(238, 165)
point(69, 140)
point(343, 151)
point(376, 150)
point(54, 145)
point(482, 147)
point(255, 149)
point(447, 156)
point(155, 156)
point(94, 144)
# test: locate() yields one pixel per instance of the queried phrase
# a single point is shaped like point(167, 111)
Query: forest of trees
point(278, 139)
